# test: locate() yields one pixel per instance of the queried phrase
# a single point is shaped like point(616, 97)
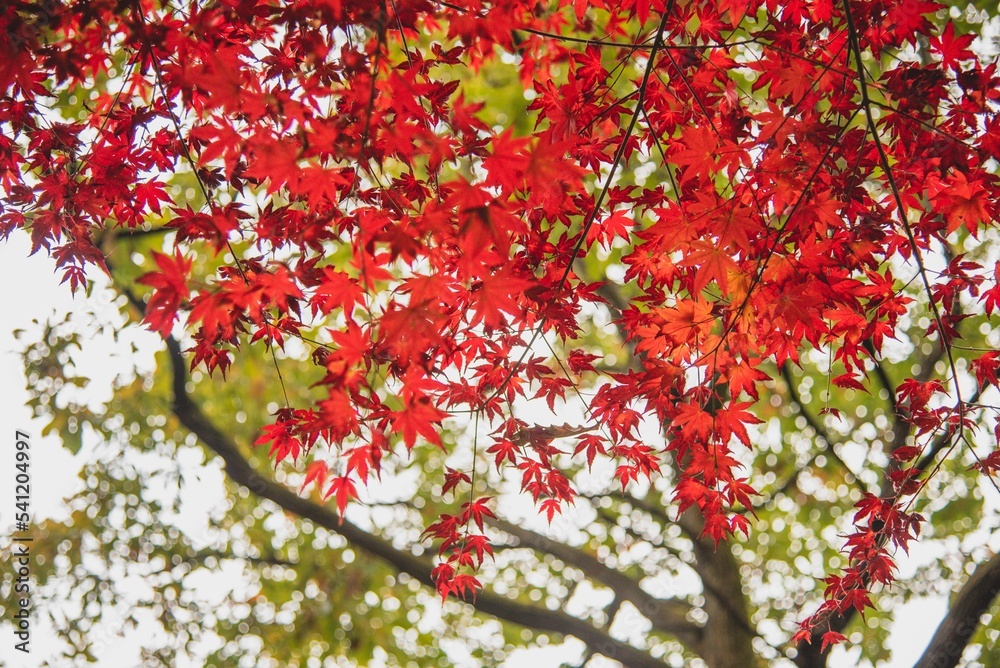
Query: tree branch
point(814, 423)
point(240, 471)
point(883, 376)
point(942, 440)
point(669, 616)
point(953, 634)
point(725, 602)
point(265, 560)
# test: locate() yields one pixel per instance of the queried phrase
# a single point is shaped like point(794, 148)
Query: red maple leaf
point(963, 203)
point(343, 488)
point(593, 445)
point(497, 295)
point(170, 290)
point(418, 418)
point(699, 154)
point(952, 49)
point(635, 205)
point(315, 473)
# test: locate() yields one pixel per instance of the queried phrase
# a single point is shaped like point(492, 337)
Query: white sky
point(33, 293)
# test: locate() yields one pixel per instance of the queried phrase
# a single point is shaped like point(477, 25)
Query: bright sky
point(33, 293)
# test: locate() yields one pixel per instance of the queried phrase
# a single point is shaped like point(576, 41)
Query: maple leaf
point(361, 460)
point(453, 478)
point(690, 318)
point(952, 49)
point(849, 381)
point(963, 203)
point(170, 290)
point(988, 465)
point(744, 378)
point(905, 453)
point(275, 161)
point(284, 439)
point(626, 474)
point(831, 638)
point(463, 585)
point(906, 18)
point(552, 389)
point(698, 157)
point(551, 508)
point(315, 473)
point(991, 297)
point(504, 450)
point(496, 295)
point(731, 420)
point(593, 445)
point(336, 290)
point(689, 492)
point(711, 263)
point(739, 523)
point(418, 418)
point(985, 368)
point(580, 362)
point(479, 545)
point(215, 227)
point(802, 635)
point(343, 489)
point(694, 422)
point(508, 162)
point(617, 225)
point(793, 81)
point(857, 599)
point(485, 227)
point(151, 195)
point(442, 574)
point(741, 492)
point(476, 511)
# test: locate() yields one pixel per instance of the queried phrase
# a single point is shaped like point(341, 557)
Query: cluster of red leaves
point(335, 128)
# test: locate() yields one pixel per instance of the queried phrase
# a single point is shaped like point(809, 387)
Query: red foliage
point(435, 250)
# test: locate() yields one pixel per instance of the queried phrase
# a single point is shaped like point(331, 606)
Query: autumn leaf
point(744, 378)
point(495, 296)
point(710, 263)
point(342, 488)
point(453, 478)
point(831, 638)
point(476, 511)
point(504, 450)
point(551, 508)
point(592, 445)
point(689, 319)
point(731, 420)
point(418, 418)
point(508, 162)
point(698, 155)
point(393, 214)
point(170, 290)
point(952, 49)
point(315, 473)
point(963, 203)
